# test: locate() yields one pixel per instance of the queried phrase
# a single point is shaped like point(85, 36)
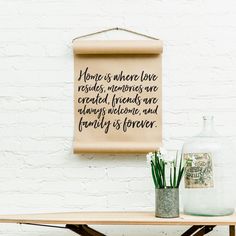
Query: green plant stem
point(163, 174)
point(180, 177)
point(174, 175)
point(154, 176)
point(158, 168)
point(180, 172)
point(171, 185)
point(157, 175)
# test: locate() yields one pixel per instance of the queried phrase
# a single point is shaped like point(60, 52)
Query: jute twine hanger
point(116, 28)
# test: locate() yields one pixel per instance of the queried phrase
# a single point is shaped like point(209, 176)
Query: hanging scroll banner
point(117, 96)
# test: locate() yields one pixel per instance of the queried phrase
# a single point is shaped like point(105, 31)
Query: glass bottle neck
point(208, 126)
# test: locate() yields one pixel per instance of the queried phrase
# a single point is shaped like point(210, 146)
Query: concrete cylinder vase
point(167, 202)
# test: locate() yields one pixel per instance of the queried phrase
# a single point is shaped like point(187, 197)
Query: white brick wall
point(37, 169)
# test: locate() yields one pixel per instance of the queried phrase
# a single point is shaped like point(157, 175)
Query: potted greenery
point(167, 173)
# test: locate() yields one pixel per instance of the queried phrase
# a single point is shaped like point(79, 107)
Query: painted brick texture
point(38, 172)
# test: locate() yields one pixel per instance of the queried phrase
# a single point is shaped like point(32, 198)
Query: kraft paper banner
point(117, 96)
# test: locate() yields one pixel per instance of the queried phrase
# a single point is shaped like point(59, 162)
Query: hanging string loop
point(112, 29)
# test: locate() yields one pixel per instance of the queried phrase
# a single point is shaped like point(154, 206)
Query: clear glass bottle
point(209, 177)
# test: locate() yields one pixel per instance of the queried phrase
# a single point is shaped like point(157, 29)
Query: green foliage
point(159, 168)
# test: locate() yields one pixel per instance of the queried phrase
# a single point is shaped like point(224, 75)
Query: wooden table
point(78, 221)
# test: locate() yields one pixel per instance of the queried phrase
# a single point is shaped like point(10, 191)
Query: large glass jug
point(209, 178)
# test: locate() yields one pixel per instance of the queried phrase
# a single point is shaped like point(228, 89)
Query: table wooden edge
point(115, 218)
point(78, 221)
point(112, 223)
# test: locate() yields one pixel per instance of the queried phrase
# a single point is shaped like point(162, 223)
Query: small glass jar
point(208, 177)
